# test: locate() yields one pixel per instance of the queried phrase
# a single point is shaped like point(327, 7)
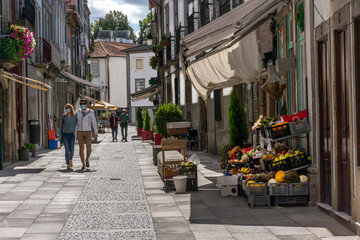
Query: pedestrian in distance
point(124, 121)
point(67, 133)
point(114, 120)
point(86, 123)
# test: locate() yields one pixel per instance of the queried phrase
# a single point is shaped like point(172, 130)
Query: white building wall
point(117, 82)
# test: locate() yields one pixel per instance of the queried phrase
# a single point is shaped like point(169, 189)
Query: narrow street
point(121, 197)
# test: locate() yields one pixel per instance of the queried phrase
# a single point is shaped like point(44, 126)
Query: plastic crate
point(297, 161)
point(256, 189)
point(229, 191)
point(290, 200)
point(278, 189)
point(278, 131)
point(53, 144)
point(227, 181)
point(298, 189)
point(259, 201)
point(190, 171)
point(299, 126)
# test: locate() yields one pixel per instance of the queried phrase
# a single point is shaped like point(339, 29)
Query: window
point(139, 84)
point(95, 69)
point(217, 105)
point(1, 20)
point(139, 64)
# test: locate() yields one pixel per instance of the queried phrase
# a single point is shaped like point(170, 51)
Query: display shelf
point(298, 168)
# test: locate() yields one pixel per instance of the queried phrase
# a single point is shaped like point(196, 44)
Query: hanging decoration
point(23, 40)
point(300, 17)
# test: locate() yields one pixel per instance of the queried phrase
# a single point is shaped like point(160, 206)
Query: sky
point(135, 10)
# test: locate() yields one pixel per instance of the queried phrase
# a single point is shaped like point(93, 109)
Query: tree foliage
point(165, 114)
point(145, 28)
point(114, 20)
point(147, 120)
point(238, 127)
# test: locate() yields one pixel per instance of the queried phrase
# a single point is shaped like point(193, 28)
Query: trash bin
point(34, 128)
point(180, 183)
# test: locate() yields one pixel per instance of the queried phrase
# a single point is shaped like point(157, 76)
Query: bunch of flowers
point(24, 41)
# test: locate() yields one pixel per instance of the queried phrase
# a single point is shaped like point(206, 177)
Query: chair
point(192, 139)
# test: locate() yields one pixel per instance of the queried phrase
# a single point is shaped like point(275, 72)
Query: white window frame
point(136, 85)
point(92, 71)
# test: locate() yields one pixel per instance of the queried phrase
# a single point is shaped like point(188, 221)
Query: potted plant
point(154, 62)
point(31, 148)
point(165, 114)
point(146, 134)
point(139, 121)
point(24, 151)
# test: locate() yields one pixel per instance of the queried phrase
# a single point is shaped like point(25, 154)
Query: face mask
point(67, 110)
point(112, 115)
point(83, 107)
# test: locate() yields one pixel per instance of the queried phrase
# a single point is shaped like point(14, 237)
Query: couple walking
point(85, 121)
point(114, 120)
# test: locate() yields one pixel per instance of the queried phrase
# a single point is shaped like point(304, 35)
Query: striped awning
point(145, 93)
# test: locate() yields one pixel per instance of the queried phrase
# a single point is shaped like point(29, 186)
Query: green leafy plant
point(139, 118)
point(238, 128)
point(28, 146)
point(147, 120)
point(165, 114)
point(8, 49)
point(154, 62)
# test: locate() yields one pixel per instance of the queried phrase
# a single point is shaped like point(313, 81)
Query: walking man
point(113, 120)
point(86, 122)
point(124, 120)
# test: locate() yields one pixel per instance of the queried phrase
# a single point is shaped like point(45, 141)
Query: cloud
point(135, 9)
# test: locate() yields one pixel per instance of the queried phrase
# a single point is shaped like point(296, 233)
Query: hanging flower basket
point(23, 40)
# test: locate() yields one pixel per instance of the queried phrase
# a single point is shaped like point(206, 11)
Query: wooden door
point(324, 118)
point(343, 131)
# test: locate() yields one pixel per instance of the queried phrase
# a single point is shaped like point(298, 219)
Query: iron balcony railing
point(224, 6)
point(42, 51)
point(204, 12)
point(191, 23)
point(27, 12)
point(170, 49)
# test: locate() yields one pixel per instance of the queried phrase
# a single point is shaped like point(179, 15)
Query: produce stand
point(270, 173)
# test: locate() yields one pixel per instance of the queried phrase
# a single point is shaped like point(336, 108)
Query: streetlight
point(88, 59)
point(149, 39)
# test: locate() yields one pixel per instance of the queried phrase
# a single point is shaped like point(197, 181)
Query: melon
point(279, 177)
point(304, 178)
point(251, 181)
point(262, 178)
point(292, 177)
point(271, 181)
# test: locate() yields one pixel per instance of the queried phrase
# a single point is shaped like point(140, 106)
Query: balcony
point(204, 12)
point(180, 33)
point(224, 6)
point(237, 3)
point(42, 51)
point(193, 21)
point(27, 12)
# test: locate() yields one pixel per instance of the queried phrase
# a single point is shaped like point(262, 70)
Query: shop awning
point(24, 81)
point(81, 81)
point(235, 24)
point(99, 104)
point(226, 49)
point(145, 93)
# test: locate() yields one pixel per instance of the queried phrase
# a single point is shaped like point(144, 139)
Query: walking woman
point(113, 120)
point(67, 133)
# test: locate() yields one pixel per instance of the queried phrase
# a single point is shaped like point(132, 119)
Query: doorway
point(343, 130)
point(325, 129)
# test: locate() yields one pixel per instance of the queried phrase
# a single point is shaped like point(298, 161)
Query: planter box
point(157, 138)
point(23, 155)
point(146, 135)
point(139, 131)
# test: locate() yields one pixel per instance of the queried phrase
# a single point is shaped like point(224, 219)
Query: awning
point(24, 81)
point(99, 104)
point(226, 49)
point(145, 93)
point(235, 24)
point(81, 81)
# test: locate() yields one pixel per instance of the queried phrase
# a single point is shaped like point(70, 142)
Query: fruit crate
point(290, 200)
point(278, 131)
point(259, 201)
point(190, 171)
point(300, 126)
point(282, 164)
point(298, 161)
point(256, 189)
point(279, 189)
point(298, 189)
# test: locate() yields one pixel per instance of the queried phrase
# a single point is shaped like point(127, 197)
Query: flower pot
point(33, 152)
point(157, 138)
point(24, 155)
point(146, 135)
point(139, 131)
point(180, 183)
